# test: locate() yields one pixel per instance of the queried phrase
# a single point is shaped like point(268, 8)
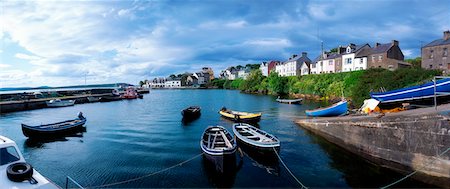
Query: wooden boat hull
point(419, 92)
point(54, 132)
point(337, 109)
point(254, 118)
point(221, 156)
point(191, 113)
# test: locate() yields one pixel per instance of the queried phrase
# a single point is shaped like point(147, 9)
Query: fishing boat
point(93, 98)
point(419, 92)
point(191, 113)
point(15, 172)
point(240, 116)
point(337, 109)
point(219, 147)
point(130, 93)
point(289, 101)
point(59, 103)
point(255, 138)
point(53, 130)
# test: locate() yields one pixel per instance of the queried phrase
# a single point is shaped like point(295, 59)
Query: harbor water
point(129, 139)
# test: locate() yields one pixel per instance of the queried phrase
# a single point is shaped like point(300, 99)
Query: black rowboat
point(219, 147)
point(54, 130)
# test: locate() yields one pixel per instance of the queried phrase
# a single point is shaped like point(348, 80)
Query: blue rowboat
point(413, 93)
point(55, 130)
point(337, 109)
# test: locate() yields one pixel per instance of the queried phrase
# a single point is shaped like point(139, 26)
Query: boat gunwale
point(325, 108)
point(220, 152)
point(38, 127)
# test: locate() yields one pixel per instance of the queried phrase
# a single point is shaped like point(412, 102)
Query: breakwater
point(410, 141)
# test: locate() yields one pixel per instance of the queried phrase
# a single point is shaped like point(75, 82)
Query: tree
point(277, 84)
point(141, 83)
point(334, 50)
point(254, 79)
point(416, 62)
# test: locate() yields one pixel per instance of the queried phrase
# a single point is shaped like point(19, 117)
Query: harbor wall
point(415, 140)
point(31, 104)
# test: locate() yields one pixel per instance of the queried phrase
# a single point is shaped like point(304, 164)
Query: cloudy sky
point(58, 43)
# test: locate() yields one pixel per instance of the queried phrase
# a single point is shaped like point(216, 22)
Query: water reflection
point(225, 178)
point(264, 160)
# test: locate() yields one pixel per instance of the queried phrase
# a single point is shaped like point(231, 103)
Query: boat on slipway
point(337, 109)
point(59, 103)
point(240, 116)
point(415, 93)
point(54, 130)
point(255, 138)
point(219, 147)
point(15, 172)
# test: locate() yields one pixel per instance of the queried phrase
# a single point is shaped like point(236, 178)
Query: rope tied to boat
point(288, 170)
point(414, 172)
point(148, 175)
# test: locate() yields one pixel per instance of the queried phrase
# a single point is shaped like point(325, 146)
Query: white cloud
point(407, 52)
point(4, 66)
point(26, 57)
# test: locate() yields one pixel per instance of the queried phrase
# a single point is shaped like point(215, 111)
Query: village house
point(435, 54)
point(172, 83)
point(209, 71)
point(325, 63)
point(294, 66)
point(202, 78)
point(230, 73)
point(355, 57)
point(267, 67)
point(157, 83)
point(388, 56)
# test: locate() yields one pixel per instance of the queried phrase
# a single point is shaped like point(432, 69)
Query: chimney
point(377, 44)
point(447, 35)
point(324, 55)
point(394, 42)
point(304, 54)
point(352, 45)
point(294, 55)
point(341, 49)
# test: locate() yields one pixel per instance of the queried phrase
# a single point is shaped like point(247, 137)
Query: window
point(330, 62)
point(431, 66)
point(373, 58)
point(348, 60)
point(349, 50)
point(314, 66)
point(361, 61)
point(431, 54)
point(445, 53)
point(380, 58)
point(8, 155)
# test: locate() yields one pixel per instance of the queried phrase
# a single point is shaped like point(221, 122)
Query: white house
point(325, 63)
point(355, 57)
point(294, 66)
point(264, 67)
point(172, 84)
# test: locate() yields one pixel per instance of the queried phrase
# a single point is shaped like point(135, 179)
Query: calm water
point(129, 139)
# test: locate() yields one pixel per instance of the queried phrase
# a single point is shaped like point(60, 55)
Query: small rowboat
point(289, 101)
point(59, 103)
point(256, 138)
point(53, 130)
point(191, 113)
point(337, 109)
point(219, 147)
point(240, 116)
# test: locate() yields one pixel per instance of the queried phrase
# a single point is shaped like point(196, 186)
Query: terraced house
point(388, 56)
point(294, 66)
point(435, 54)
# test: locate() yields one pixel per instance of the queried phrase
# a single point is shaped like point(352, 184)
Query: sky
point(60, 43)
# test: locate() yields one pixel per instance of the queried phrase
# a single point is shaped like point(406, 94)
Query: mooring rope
point(151, 174)
point(414, 172)
point(289, 171)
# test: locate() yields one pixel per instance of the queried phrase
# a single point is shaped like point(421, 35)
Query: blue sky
point(58, 43)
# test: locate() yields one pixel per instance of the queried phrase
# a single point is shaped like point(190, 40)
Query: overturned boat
point(219, 147)
point(53, 130)
point(415, 93)
point(240, 116)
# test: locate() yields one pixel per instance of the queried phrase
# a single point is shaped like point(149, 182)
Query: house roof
point(381, 48)
point(438, 42)
point(363, 52)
